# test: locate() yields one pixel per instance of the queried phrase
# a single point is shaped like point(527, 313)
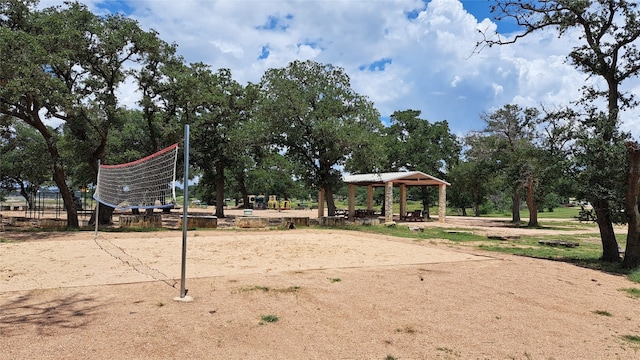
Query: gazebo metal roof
point(409, 178)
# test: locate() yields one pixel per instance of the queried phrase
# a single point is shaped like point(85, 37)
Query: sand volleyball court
point(82, 259)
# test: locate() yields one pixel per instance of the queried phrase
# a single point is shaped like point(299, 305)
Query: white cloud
point(497, 89)
point(228, 48)
point(455, 81)
point(431, 59)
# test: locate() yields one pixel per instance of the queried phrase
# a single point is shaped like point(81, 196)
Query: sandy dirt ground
point(334, 294)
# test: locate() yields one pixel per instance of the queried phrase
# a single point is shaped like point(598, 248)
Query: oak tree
point(320, 123)
point(417, 144)
point(607, 48)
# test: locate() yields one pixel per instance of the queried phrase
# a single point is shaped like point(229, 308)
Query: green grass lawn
point(561, 212)
point(557, 213)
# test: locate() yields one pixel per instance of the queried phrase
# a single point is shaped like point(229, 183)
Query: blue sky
point(403, 54)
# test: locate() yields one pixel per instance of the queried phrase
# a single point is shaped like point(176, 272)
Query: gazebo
point(397, 179)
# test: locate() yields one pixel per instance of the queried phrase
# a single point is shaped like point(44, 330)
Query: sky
point(404, 54)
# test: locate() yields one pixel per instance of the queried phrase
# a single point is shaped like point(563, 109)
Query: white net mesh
point(142, 184)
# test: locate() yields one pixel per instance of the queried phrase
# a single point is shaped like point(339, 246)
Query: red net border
point(165, 150)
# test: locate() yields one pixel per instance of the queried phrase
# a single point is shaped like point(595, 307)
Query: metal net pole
point(183, 291)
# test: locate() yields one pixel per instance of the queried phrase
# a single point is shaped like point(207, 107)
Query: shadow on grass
point(28, 313)
point(598, 264)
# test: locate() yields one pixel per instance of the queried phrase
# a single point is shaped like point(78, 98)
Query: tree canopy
point(320, 123)
point(413, 143)
point(64, 64)
point(22, 166)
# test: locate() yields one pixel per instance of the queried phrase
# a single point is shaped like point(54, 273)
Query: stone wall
point(141, 221)
point(200, 221)
point(250, 222)
point(331, 221)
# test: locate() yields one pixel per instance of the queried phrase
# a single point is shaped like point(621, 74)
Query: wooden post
point(352, 200)
point(403, 200)
point(370, 197)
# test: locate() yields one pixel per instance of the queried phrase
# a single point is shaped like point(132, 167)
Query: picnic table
point(586, 215)
point(415, 215)
point(364, 213)
point(359, 213)
point(342, 213)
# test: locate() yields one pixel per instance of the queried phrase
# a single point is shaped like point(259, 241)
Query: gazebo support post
point(352, 200)
point(442, 203)
point(370, 197)
point(403, 200)
point(388, 202)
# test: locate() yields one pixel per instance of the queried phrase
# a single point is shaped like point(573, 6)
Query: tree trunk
point(632, 251)
point(531, 203)
point(67, 196)
point(219, 189)
point(476, 204)
point(28, 196)
point(331, 205)
point(32, 117)
point(464, 211)
point(610, 252)
point(515, 206)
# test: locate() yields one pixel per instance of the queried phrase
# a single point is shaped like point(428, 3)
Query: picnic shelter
point(403, 180)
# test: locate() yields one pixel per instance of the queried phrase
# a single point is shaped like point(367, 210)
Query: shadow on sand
point(27, 313)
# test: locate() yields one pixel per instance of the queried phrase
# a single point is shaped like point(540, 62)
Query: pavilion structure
point(403, 180)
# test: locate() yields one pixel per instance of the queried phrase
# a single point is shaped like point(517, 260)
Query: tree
point(459, 194)
point(601, 168)
point(512, 133)
point(21, 163)
point(632, 206)
point(158, 82)
point(272, 176)
point(251, 145)
point(14, 13)
point(172, 97)
point(480, 171)
point(27, 86)
point(320, 123)
point(471, 182)
point(416, 144)
point(112, 43)
point(64, 65)
point(609, 32)
point(219, 136)
point(557, 141)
